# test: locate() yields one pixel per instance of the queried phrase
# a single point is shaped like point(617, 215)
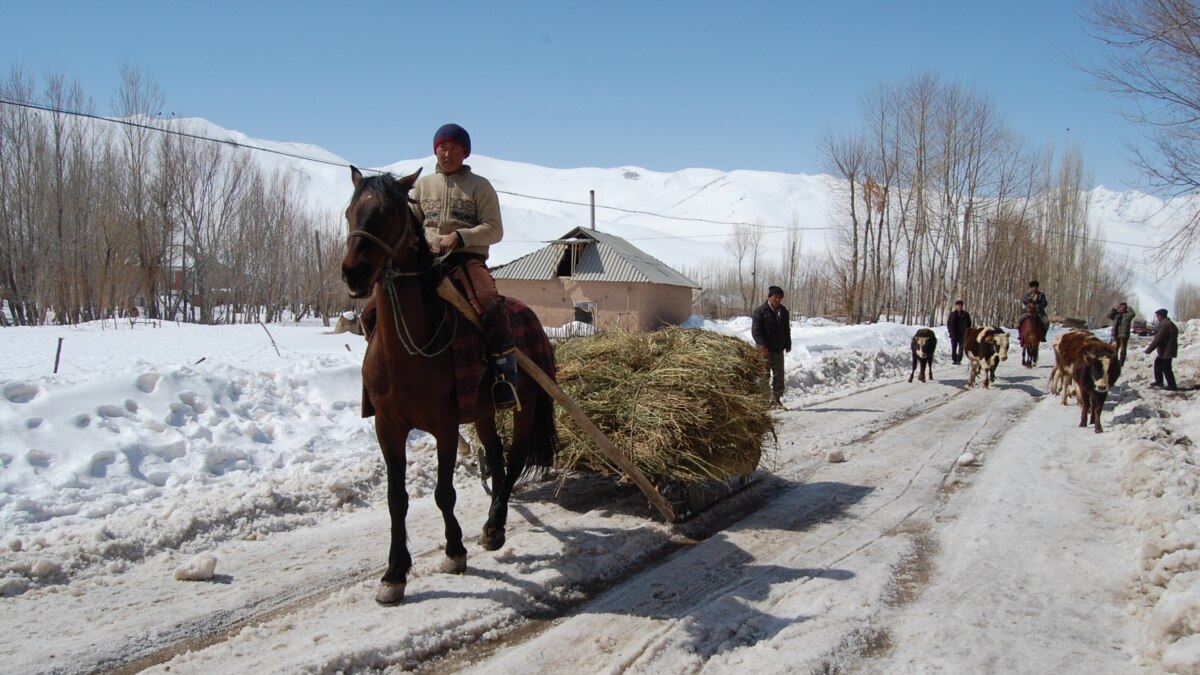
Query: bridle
point(391, 250)
point(387, 279)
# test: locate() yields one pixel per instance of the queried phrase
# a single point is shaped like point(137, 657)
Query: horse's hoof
point(390, 593)
point(454, 564)
point(491, 540)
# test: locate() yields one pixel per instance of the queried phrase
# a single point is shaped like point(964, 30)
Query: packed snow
point(146, 470)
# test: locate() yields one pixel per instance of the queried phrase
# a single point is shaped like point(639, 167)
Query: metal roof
point(605, 257)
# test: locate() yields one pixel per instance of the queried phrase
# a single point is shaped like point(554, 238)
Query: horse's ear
point(408, 181)
point(355, 175)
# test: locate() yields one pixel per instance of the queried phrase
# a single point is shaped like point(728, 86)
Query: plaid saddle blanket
point(472, 381)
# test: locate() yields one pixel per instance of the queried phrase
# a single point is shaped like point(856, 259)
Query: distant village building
point(598, 278)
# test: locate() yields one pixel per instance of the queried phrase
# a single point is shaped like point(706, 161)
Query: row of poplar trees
point(938, 201)
point(944, 202)
point(144, 216)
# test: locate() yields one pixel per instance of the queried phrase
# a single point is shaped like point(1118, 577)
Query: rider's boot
point(504, 366)
point(502, 356)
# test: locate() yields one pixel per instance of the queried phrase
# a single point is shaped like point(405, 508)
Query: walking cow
point(1092, 365)
point(924, 342)
point(985, 347)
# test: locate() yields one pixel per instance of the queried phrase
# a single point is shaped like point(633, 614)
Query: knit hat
point(774, 290)
point(453, 132)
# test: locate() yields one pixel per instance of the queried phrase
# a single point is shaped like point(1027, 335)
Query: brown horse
point(409, 373)
point(1029, 332)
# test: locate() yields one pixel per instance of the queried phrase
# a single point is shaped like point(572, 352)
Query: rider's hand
point(448, 242)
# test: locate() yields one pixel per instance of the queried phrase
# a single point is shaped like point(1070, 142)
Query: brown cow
point(1094, 369)
point(985, 347)
point(924, 342)
point(1066, 346)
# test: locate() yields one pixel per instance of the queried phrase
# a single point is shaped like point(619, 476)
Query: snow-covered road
point(900, 558)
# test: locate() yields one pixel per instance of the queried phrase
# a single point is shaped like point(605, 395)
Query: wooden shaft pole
point(451, 295)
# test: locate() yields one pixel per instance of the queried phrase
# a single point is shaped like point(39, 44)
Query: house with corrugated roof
point(598, 278)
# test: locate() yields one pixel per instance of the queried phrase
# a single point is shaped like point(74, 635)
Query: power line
point(651, 213)
point(171, 132)
point(307, 158)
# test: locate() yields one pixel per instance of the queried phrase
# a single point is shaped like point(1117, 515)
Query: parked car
point(1140, 327)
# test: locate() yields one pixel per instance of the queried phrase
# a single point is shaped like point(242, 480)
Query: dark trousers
point(1164, 371)
point(774, 364)
point(956, 349)
point(1122, 344)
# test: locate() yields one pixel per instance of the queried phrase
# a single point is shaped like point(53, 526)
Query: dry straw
point(685, 405)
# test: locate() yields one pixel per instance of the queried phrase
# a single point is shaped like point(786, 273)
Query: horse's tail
point(543, 438)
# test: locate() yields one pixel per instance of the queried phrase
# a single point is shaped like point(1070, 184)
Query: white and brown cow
point(1092, 366)
point(924, 342)
point(985, 347)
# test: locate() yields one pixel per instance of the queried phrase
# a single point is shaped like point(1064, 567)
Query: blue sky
point(660, 85)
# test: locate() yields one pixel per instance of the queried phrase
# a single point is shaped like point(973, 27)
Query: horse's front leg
point(391, 586)
point(445, 497)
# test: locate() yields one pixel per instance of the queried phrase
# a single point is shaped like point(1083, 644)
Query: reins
point(387, 279)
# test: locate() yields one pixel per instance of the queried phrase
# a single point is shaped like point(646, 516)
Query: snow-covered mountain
point(684, 218)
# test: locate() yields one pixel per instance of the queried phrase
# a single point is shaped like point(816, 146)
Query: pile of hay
point(685, 405)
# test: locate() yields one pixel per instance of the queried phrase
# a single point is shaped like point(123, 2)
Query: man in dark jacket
point(956, 325)
point(1038, 298)
point(771, 328)
point(1122, 318)
point(1166, 341)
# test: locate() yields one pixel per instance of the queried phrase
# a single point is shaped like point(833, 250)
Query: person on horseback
point(1038, 298)
point(1122, 318)
point(461, 214)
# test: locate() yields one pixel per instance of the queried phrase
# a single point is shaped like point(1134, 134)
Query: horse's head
point(384, 234)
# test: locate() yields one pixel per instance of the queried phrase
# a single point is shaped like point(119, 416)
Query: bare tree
point(790, 257)
point(1187, 301)
point(140, 101)
point(847, 156)
point(213, 183)
point(22, 172)
point(1153, 63)
point(743, 245)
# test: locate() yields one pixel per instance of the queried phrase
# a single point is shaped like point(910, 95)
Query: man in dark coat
point(1166, 341)
point(956, 325)
point(771, 328)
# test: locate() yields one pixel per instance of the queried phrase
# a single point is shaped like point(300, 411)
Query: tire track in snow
point(855, 426)
point(723, 569)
